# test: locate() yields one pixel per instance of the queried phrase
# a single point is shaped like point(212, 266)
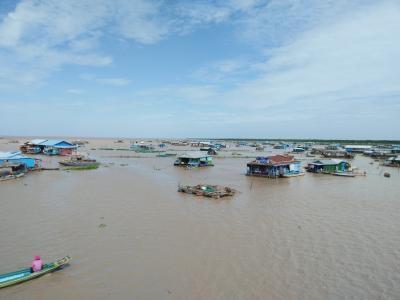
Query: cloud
point(40, 36)
point(278, 22)
point(310, 62)
point(342, 70)
point(115, 81)
point(347, 58)
point(75, 91)
point(224, 71)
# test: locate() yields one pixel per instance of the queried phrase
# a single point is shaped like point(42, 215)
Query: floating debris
point(386, 174)
point(102, 225)
point(213, 191)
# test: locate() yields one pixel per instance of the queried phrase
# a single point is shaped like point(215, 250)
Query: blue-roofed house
point(58, 147)
point(49, 147)
point(15, 159)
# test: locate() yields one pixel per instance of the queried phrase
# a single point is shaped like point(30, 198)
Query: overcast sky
point(229, 68)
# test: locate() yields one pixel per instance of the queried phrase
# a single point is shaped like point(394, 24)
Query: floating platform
point(213, 191)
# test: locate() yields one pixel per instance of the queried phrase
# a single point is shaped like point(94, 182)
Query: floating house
point(200, 144)
point(209, 150)
point(282, 146)
point(336, 154)
point(241, 143)
point(219, 145)
point(58, 147)
point(143, 148)
point(395, 149)
point(32, 147)
point(179, 143)
point(14, 165)
point(49, 147)
point(357, 148)
point(274, 166)
point(194, 159)
point(379, 153)
point(207, 145)
point(392, 162)
point(333, 147)
point(14, 159)
point(329, 166)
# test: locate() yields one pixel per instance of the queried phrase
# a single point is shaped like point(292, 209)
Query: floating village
point(262, 162)
point(266, 158)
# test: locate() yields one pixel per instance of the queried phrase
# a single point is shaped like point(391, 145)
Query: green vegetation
point(80, 168)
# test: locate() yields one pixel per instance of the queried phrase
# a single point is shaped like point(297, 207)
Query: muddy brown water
point(311, 237)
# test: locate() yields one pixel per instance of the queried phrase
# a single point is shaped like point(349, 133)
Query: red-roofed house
point(274, 166)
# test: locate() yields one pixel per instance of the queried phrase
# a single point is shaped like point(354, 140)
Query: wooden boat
point(11, 176)
point(343, 174)
point(79, 161)
point(26, 274)
point(289, 175)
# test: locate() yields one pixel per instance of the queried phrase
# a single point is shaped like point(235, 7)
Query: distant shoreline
point(296, 140)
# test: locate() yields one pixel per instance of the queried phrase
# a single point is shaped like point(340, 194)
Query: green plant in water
point(80, 168)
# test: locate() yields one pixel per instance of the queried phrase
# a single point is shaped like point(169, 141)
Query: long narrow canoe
point(25, 274)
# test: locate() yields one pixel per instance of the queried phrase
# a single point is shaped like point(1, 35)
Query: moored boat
point(79, 161)
point(11, 176)
point(26, 274)
point(289, 175)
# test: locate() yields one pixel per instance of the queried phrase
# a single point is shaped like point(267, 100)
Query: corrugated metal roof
point(277, 159)
point(36, 141)
point(273, 160)
point(11, 155)
point(327, 161)
point(358, 146)
point(54, 142)
point(196, 154)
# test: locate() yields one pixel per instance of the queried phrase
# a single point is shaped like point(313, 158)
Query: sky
point(229, 68)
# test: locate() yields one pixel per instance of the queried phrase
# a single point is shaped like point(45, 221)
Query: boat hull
point(79, 164)
point(293, 175)
point(23, 275)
